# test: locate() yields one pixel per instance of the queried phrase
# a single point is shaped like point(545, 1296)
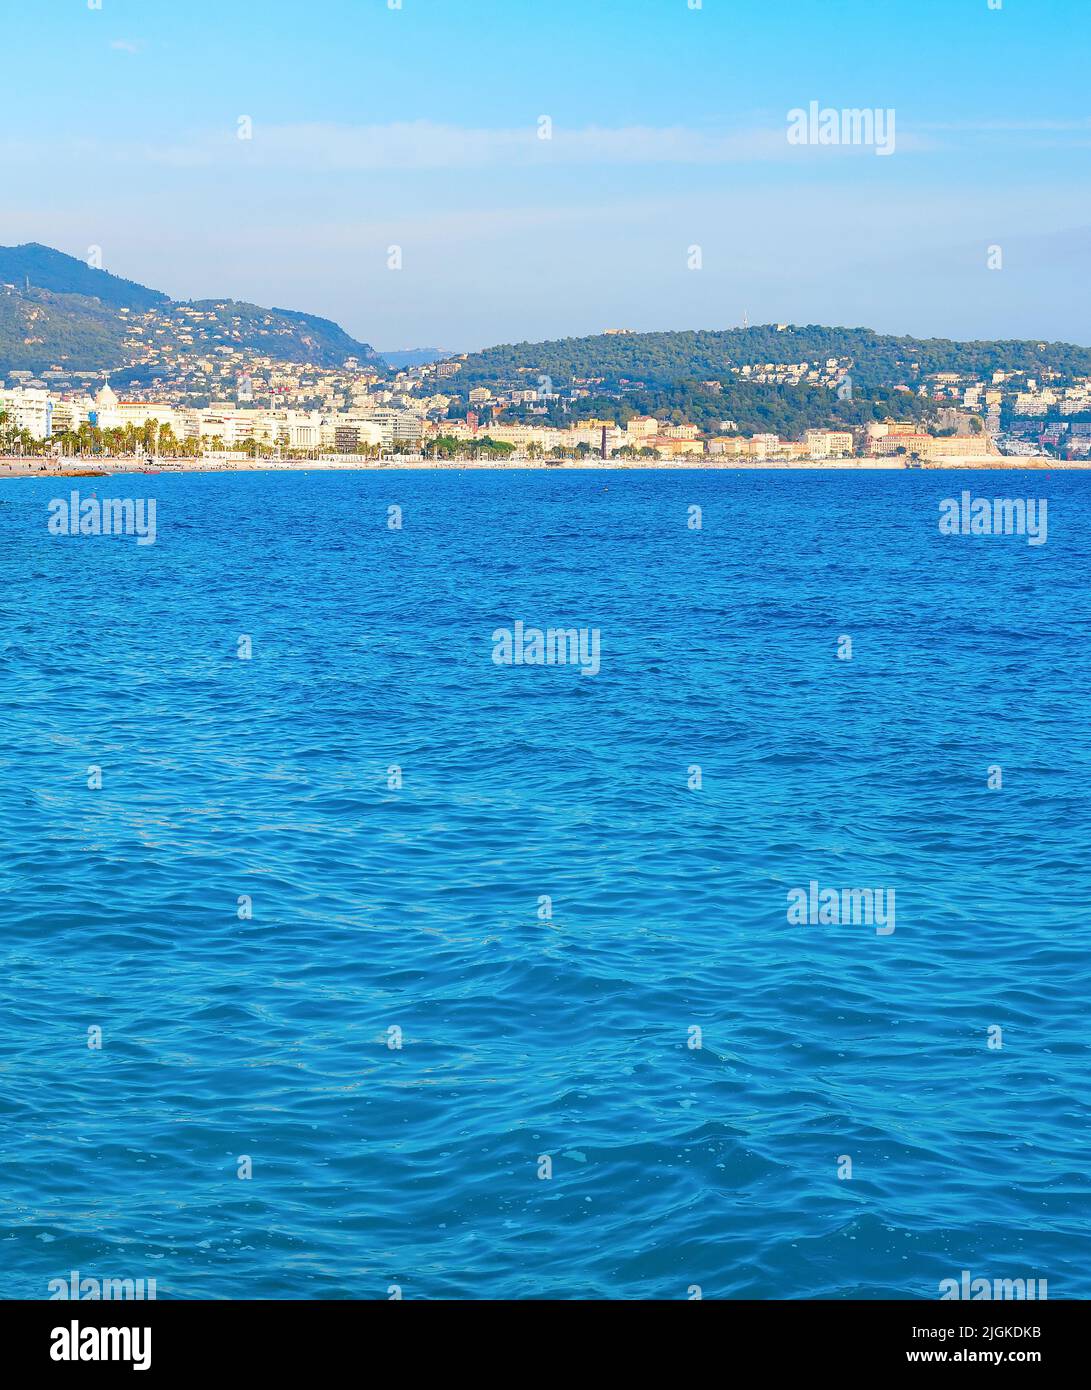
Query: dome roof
point(106, 396)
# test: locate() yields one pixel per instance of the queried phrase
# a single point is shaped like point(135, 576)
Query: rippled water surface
point(379, 908)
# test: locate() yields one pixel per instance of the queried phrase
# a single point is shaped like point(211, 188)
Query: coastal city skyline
point(235, 384)
point(541, 177)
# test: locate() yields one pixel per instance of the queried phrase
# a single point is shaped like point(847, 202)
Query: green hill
point(39, 329)
point(664, 359)
point(696, 377)
point(55, 311)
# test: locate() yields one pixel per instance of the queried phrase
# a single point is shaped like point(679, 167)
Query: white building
point(29, 409)
point(398, 426)
point(824, 444)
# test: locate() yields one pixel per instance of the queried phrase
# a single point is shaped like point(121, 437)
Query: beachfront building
point(889, 444)
point(728, 446)
point(70, 413)
point(943, 448)
point(352, 437)
point(765, 446)
point(826, 444)
point(399, 427)
point(522, 437)
point(137, 414)
point(641, 428)
point(29, 409)
point(668, 448)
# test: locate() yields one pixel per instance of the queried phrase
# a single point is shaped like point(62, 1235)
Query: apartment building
point(825, 444)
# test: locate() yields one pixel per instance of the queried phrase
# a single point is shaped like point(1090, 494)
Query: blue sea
point(420, 972)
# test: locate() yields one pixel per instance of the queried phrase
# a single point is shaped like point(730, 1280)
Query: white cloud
point(417, 145)
point(1009, 127)
point(426, 145)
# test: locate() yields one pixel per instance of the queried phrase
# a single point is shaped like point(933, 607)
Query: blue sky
point(418, 127)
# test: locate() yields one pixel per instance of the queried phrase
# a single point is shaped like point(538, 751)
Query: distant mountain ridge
point(414, 357)
point(57, 311)
point(46, 269)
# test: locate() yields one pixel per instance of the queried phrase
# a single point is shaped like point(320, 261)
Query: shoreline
point(19, 468)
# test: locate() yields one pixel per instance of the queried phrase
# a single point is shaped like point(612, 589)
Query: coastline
point(20, 468)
